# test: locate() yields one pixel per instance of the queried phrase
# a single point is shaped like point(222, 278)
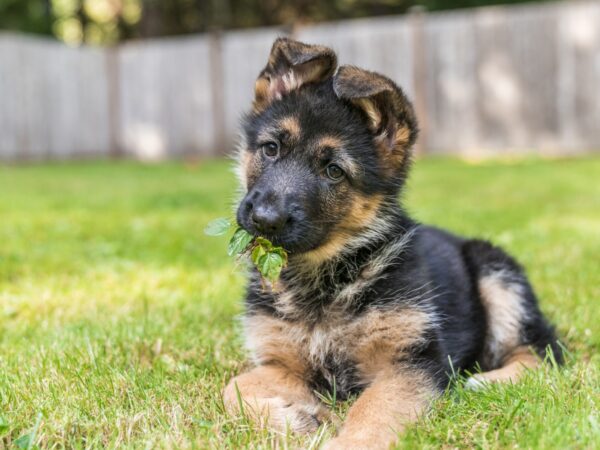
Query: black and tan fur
point(371, 301)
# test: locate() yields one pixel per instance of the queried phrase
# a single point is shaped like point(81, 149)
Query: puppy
point(371, 302)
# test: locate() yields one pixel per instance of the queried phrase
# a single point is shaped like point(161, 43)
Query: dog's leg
point(274, 397)
point(514, 365)
point(393, 400)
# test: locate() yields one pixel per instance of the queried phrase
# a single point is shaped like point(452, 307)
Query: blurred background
point(151, 79)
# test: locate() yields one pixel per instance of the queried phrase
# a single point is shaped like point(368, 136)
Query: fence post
point(417, 19)
point(114, 100)
point(217, 93)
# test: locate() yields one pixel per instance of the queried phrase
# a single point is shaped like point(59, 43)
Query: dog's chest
point(287, 341)
point(320, 353)
point(345, 351)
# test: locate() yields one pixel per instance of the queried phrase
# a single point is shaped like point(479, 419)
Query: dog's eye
point(271, 149)
point(334, 172)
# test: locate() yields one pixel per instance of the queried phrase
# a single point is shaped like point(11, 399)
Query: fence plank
point(578, 88)
point(53, 100)
point(165, 98)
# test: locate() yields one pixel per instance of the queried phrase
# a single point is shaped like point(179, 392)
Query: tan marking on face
point(266, 135)
point(360, 215)
point(333, 142)
point(329, 142)
point(395, 399)
point(362, 212)
point(334, 245)
point(291, 125)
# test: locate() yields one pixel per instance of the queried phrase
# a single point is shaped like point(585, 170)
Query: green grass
point(118, 316)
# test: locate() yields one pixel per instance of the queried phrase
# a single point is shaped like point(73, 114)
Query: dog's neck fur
point(310, 291)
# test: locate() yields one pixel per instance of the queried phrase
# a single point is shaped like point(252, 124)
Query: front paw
point(477, 382)
point(283, 415)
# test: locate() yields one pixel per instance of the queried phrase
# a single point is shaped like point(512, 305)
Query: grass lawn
point(118, 316)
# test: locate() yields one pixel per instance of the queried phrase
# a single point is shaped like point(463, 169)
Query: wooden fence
point(485, 82)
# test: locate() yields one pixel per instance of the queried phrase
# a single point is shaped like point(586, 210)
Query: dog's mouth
point(295, 239)
point(291, 228)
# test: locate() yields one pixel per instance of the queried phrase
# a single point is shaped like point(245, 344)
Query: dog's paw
point(477, 383)
point(284, 415)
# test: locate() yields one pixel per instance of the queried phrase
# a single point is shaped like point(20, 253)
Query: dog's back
point(486, 305)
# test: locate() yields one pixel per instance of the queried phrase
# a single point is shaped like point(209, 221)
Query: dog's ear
point(292, 64)
point(390, 114)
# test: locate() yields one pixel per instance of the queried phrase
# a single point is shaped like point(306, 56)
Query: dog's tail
point(514, 320)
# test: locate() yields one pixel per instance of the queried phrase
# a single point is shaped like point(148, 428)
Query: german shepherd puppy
point(371, 302)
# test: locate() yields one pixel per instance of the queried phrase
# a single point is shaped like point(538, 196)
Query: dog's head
point(324, 148)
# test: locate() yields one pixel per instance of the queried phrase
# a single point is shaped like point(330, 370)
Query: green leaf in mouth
point(268, 259)
point(217, 227)
point(270, 265)
point(239, 242)
point(258, 252)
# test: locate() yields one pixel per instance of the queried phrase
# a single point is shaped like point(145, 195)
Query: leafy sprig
point(268, 258)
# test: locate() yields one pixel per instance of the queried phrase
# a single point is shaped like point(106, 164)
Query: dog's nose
point(269, 220)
